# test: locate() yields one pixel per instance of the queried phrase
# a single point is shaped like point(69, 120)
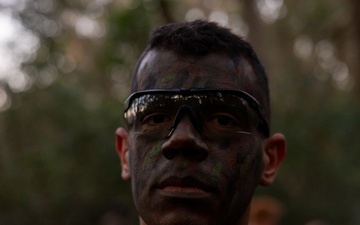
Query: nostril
point(170, 153)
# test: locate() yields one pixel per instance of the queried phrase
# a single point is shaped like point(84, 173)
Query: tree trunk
point(355, 6)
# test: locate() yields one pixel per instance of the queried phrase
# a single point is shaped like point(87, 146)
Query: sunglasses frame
point(253, 103)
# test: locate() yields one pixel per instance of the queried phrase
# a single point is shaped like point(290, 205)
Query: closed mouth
point(187, 187)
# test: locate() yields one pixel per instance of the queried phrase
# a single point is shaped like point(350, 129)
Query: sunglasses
point(213, 113)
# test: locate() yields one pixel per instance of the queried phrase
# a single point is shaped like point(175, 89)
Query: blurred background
point(65, 69)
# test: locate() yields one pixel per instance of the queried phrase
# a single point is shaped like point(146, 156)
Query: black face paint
point(196, 82)
point(150, 81)
point(225, 144)
point(181, 78)
point(240, 158)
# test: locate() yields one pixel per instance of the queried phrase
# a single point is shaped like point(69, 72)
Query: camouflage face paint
point(252, 160)
point(156, 149)
point(181, 78)
point(216, 173)
point(165, 82)
point(202, 83)
point(198, 82)
point(245, 162)
point(185, 164)
point(234, 201)
point(225, 144)
point(150, 81)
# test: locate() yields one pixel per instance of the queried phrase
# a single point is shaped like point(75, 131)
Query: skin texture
point(165, 173)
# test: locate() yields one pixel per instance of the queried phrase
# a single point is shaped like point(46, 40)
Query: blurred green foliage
point(58, 164)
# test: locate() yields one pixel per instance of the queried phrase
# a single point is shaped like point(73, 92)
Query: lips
point(188, 187)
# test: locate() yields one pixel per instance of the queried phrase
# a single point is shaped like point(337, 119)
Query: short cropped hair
point(200, 38)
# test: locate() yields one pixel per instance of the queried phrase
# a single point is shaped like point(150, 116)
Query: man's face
point(186, 178)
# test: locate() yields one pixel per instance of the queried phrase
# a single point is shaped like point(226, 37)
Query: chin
point(178, 217)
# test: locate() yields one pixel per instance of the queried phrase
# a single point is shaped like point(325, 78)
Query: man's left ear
point(274, 153)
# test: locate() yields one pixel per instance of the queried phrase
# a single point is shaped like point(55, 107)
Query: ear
point(122, 148)
point(274, 153)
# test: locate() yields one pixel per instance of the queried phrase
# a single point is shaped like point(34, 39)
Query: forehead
point(165, 69)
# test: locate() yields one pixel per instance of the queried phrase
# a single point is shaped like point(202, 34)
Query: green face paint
point(185, 164)
point(201, 83)
point(156, 149)
point(216, 172)
point(246, 161)
point(245, 165)
point(165, 82)
point(234, 201)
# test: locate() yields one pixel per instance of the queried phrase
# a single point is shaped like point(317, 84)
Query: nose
point(185, 141)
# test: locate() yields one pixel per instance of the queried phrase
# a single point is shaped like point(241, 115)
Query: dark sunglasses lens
point(150, 109)
point(218, 113)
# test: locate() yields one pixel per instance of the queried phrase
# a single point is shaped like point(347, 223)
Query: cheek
point(150, 156)
point(250, 159)
point(225, 144)
point(223, 159)
point(143, 156)
point(217, 175)
point(239, 162)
